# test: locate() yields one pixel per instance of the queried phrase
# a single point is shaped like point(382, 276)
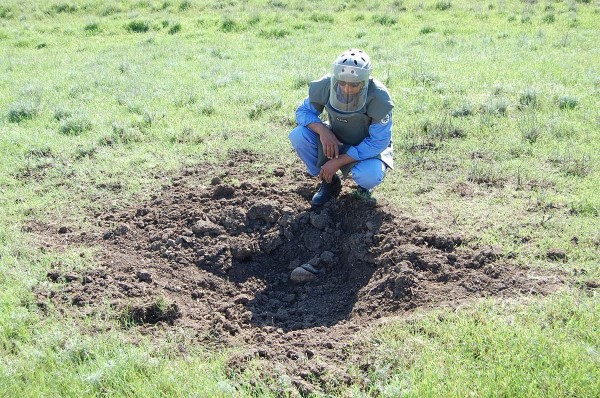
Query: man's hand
point(331, 145)
point(329, 169)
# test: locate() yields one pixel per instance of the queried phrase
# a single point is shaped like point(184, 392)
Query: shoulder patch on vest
point(385, 120)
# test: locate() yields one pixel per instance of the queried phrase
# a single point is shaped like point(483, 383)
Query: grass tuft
point(6, 12)
point(530, 128)
point(75, 125)
point(385, 20)
point(496, 106)
point(122, 134)
point(185, 5)
point(485, 174)
point(528, 98)
point(23, 110)
point(426, 30)
point(321, 17)
point(109, 10)
point(61, 114)
point(441, 130)
point(273, 33)
point(531, 133)
point(37, 153)
point(186, 99)
point(462, 111)
point(82, 152)
point(254, 20)
point(159, 310)
point(175, 28)
point(576, 166)
point(138, 26)
point(229, 25)
point(92, 28)
point(63, 8)
point(277, 4)
point(443, 5)
point(568, 102)
point(584, 208)
point(187, 135)
point(207, 109)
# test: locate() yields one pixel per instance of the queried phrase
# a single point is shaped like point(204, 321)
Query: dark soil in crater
point(217, 259)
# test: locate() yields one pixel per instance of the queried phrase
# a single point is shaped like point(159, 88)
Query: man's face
point(350, 89)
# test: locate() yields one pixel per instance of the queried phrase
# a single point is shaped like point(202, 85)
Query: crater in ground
point(217, 259)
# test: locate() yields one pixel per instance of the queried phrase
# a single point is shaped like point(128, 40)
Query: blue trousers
point(367, 173)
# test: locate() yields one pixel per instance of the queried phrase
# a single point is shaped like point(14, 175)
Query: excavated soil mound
point(217, 259)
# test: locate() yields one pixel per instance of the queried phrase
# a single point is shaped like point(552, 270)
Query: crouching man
point(357, 139)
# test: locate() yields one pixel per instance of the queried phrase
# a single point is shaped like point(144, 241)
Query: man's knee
point(298, 136)
point(369, 174)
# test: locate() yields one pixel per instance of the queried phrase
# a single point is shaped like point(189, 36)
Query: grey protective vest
point(352, 128)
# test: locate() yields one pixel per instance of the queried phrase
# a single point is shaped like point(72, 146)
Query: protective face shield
point(350, 81)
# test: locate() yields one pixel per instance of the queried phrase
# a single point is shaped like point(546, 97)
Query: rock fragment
point(203, 227)
point(302, 275)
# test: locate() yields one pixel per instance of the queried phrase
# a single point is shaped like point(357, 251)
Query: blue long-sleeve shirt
point(380, 134)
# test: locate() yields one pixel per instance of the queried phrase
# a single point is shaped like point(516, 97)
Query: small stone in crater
point(302, 275)
point(310, 268)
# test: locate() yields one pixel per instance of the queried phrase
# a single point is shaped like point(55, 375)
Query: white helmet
point(350, 81)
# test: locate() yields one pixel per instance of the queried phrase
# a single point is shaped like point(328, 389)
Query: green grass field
point(497, 137)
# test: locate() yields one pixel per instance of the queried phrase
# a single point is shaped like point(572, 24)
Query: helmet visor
point(349, 87)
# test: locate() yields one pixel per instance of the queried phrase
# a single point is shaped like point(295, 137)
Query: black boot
point(327, 191)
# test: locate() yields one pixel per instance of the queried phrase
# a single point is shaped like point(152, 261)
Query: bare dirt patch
point(217, 259)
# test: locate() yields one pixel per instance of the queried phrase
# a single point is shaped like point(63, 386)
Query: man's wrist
point(343, 160)
point(317, 127)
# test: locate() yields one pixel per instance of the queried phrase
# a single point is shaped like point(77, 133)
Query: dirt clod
point(53, 275)
point(556, 255)
point(144, 276)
